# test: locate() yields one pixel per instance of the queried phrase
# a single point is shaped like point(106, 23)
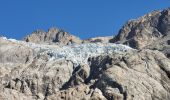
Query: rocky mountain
point(55, 65)
point(149, 31)
point(53, 35)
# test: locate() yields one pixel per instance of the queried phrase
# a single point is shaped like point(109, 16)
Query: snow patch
point(4, 38)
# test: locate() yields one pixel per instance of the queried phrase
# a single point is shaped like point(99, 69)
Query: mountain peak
point(145, 30)
point(44, 67)
point(53, 35)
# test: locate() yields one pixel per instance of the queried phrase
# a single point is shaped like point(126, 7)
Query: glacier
point(77, 53)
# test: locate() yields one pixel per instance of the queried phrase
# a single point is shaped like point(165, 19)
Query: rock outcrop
point(55, 65)
point(106, 39)
point(149, 31)
point(53, 35)
point(107, 72)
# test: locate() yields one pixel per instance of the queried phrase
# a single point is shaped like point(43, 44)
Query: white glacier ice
point(77, 53)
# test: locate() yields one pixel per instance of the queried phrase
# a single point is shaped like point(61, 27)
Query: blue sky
point(83, 18)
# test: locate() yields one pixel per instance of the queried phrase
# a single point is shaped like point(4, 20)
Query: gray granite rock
point(145, 30)
point(53, 35)
point(38, 69)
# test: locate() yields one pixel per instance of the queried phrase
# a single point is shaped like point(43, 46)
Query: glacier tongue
point(79, 54)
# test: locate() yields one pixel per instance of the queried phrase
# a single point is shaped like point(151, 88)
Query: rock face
point(53, 35)
point(107, 72)
point(98, 40)
point(55, 65)
point(150, 31)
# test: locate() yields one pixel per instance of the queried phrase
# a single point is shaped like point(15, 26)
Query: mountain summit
point(56, 65)
point(53, 35)
point(149, 31)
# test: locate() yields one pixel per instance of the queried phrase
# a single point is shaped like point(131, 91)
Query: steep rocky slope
point(94, 71)
point(55, 65)
point(149, 31)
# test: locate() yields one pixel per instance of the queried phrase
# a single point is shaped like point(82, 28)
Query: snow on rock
point(4, 38)
point(77, 53)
